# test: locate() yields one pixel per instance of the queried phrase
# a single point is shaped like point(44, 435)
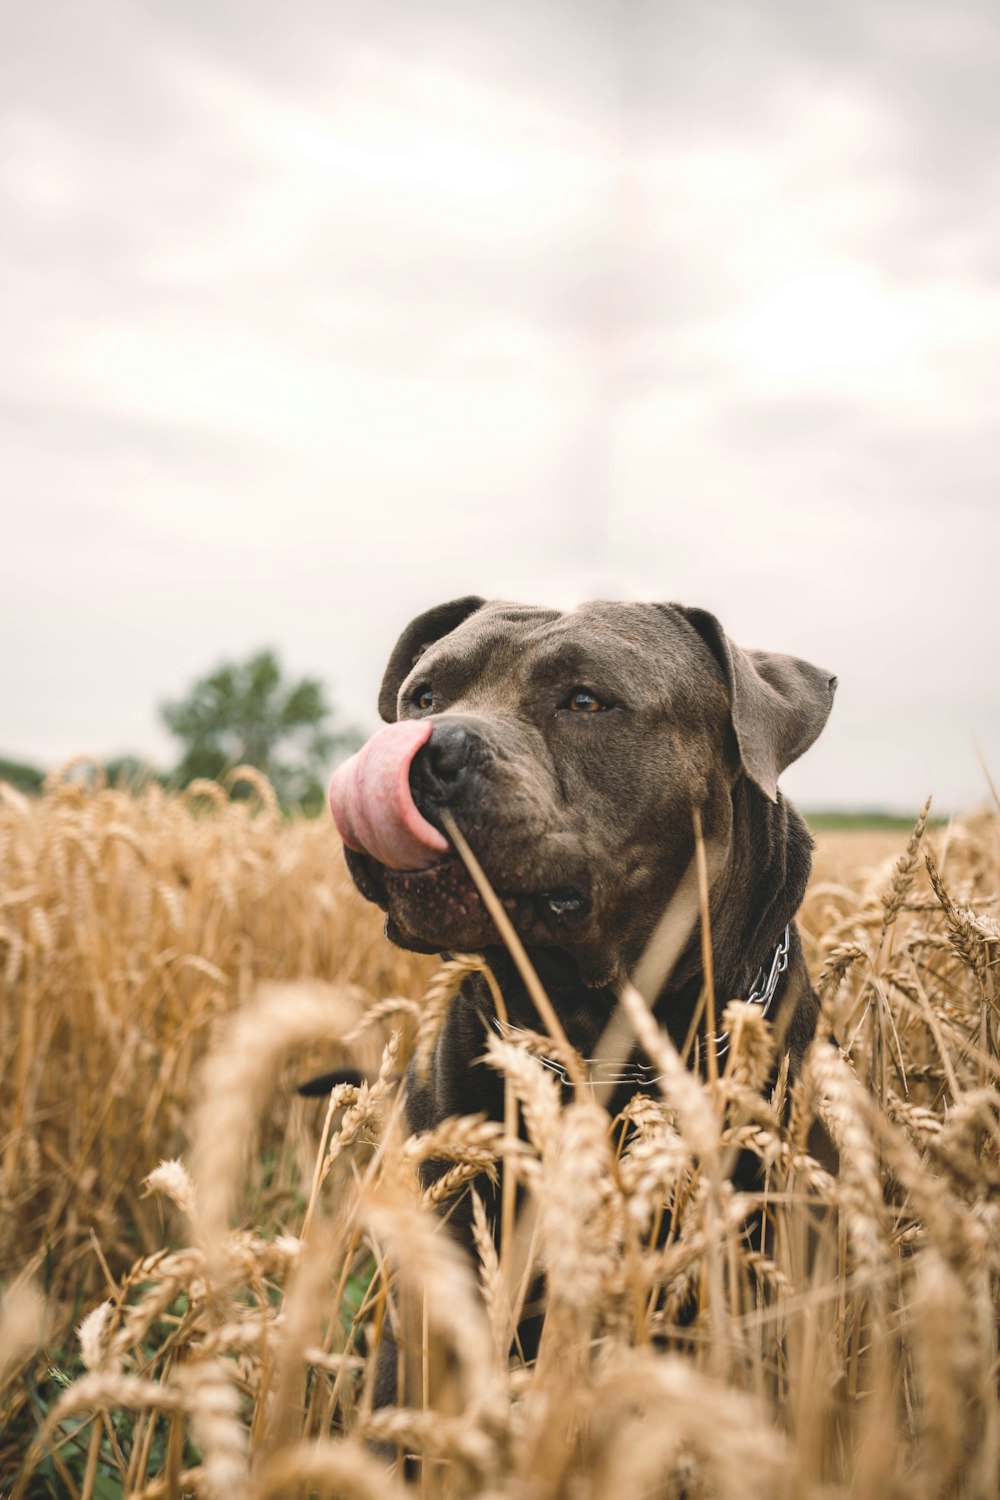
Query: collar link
point(762, 993)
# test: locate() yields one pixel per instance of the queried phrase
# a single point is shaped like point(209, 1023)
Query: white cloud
point(310, 324)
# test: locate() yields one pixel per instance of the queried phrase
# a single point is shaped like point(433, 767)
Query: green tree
point(26, 778)
point(249, 713)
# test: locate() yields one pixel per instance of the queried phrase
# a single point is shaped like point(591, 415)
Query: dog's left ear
point(778, 703)
point(418, 635)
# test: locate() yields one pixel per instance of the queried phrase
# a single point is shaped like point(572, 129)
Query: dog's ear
point(778, 703)
point(418, 635)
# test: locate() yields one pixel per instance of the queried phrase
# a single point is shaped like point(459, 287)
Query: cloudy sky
point(314, 315)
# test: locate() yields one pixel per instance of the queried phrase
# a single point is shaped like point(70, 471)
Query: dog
point(573, 751)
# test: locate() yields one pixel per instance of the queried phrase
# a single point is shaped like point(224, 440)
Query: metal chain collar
point(761, 991)
point(761, 994)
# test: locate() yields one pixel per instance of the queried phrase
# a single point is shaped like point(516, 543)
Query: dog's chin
point(401, 939)
point(428, 911)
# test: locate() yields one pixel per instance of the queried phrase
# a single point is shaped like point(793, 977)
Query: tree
point(25, 778)
point(248, 713)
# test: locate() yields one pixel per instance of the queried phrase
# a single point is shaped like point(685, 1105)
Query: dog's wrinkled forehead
point(484, 652)
point(505, 651)
point(669, 656)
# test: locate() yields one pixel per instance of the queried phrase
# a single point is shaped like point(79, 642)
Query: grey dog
point(572, 750)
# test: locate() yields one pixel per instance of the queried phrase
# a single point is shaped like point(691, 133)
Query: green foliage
point(357, 1291)
point(132, 772)
point(866, 819)
point(249, 713)
point(53, 1372)
point(26, 778)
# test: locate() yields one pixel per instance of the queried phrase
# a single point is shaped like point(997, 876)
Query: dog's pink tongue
point(371, 802)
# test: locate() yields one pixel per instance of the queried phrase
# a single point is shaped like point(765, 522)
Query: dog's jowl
point(574, 751)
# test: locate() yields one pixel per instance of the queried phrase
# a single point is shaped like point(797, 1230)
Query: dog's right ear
point(778, 704)
point(418, 635)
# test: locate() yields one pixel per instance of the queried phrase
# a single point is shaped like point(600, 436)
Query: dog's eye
point(583, 701)
point(423, 696)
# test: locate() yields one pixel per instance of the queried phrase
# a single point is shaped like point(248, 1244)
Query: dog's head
point(570, 748)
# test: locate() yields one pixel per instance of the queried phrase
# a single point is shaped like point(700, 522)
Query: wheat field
point(196, 1263)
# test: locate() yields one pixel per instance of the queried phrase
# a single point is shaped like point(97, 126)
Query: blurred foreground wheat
point(224, 1346)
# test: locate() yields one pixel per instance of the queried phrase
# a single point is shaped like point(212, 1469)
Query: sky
point(314, 316)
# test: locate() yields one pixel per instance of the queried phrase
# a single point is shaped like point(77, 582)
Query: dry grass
point(174, 965)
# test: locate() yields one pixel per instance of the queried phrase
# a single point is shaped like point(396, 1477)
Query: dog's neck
point(761, 888)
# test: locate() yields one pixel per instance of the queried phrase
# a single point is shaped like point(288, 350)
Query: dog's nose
point(447, 751)
point(440, 763)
